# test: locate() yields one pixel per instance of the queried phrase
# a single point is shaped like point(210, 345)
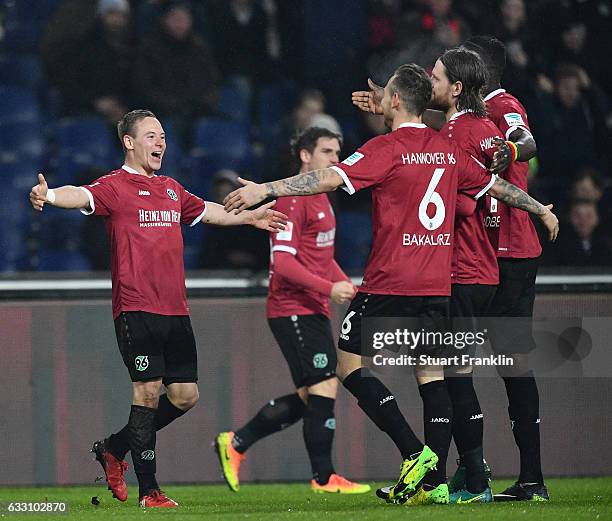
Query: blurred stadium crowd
point(233, 80)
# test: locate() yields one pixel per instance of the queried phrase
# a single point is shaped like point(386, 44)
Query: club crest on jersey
point(172, 194)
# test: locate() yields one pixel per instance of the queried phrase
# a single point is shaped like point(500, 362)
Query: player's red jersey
point(510, 230)
point(474, 259)
point(309, 236)
point(143, 220)
point(414, 173)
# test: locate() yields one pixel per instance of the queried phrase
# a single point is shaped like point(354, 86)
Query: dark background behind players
point(61, 92)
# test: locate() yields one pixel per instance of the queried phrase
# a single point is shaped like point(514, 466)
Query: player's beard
point(437, 104)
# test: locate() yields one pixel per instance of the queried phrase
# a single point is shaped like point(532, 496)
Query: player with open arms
point(144, 212)
point(303, 277)
point(414, 174)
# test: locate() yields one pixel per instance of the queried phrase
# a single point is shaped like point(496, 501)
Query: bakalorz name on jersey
point(426, 239)
point(155, 218)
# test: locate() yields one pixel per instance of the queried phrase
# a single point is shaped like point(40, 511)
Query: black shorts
point(469, 305)
point(511, 311)
point(432, 314)
point(154, 346)
point(308, 346)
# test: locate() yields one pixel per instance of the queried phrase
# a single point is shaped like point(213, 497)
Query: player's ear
point(395, 100)
point(305, 156)
point(457, 89)
point(128, 142)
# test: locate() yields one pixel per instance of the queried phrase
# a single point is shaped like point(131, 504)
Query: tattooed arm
point(513, 196)
point(307, 183)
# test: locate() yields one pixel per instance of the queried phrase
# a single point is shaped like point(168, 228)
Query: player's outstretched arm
point(307, 183)
point(263, 218)
point(63, 197)
point(513, 196)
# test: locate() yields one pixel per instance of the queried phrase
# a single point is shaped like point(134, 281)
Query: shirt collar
point(130, 170)
point(457, 114)
point(414, 125)
point(493, 94)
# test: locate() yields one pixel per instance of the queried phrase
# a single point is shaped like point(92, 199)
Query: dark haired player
point(303, 277)
point(457, 79)
point(414, 173)
point(144, 212)
point(514, 237)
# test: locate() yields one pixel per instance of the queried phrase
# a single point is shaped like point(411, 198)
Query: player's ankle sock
point(141, 432)
point(318, 429)
point(524, 412)
point(166, 413)
point(380, 406)
point(276, 415)
point(146, 483)
point(437, 421)
point(118, 443)
point(467, 428)
point(475, 477)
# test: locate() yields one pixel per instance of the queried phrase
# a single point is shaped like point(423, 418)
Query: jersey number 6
point(433, 197)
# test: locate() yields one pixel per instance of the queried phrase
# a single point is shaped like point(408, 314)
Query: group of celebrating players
point(457, 171)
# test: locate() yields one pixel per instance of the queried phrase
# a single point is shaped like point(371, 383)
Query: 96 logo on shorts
point(141, 362)
point(319, 360)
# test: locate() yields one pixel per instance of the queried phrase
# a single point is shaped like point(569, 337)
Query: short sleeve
point(368, 166)
point(288, 240)
point(512, 117)
point(474, 179)
point(193, 208)
point(103, 196)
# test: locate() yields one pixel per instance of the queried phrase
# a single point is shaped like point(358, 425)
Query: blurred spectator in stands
point(246, 42)
point(588, 185)
point(237, 248)
point(421, 37)
point(582, 243)
point(523, 55)
point(569, 125)
point(92, 70)
point(175, 74)
point(310, 103)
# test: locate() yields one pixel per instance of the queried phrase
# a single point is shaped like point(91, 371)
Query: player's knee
point(187, 399)
point(327, 388)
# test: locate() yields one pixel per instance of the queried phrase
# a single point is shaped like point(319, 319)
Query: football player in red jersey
point(514, 237)
point(144, 212)
point(415, 174)
point(303, 277)
point(457, 79)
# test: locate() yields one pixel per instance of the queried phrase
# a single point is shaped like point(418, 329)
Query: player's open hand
point(551, 222)
point(342, 292)
point(242, 198)
point(369, 101)
point(501, 158)
point(266, 219)
point(38, 194)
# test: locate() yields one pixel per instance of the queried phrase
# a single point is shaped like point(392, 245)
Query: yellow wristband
point(515, 152)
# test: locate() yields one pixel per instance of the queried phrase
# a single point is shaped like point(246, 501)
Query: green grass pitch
point(572, 500)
